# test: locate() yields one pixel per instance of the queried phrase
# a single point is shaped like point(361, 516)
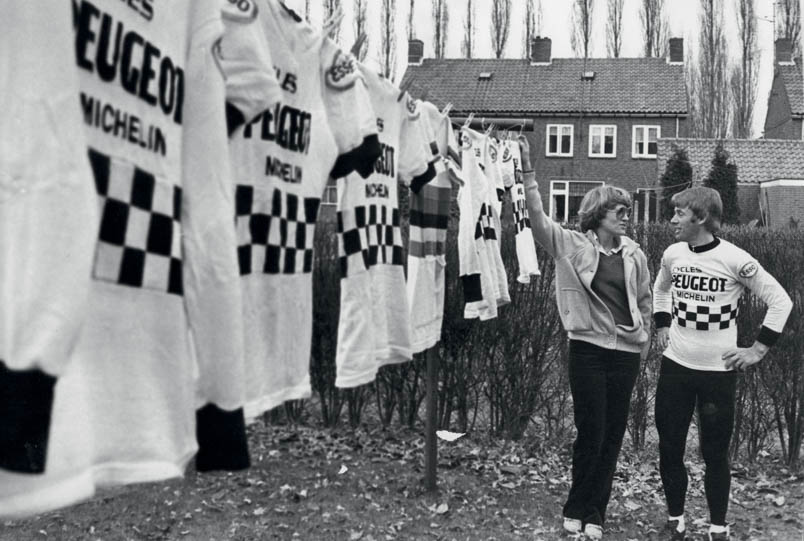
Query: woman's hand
point(524, 150)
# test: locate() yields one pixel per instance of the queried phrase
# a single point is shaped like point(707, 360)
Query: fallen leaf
point(446, 435)
point(778, 502)
point(343, 470)
point(355, 535)
point(442, 508)
point(631, 505)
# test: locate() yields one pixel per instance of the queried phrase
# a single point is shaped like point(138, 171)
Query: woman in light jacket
point(603, 292)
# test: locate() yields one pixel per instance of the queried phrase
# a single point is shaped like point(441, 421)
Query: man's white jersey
point(702, 291)
point(525, 245)
point(245, 58)
point(429, 218)
point(374, 324)
point(322, 126)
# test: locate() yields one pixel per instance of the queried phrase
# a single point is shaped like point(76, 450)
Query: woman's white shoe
point(572, 525)
point(593, 531)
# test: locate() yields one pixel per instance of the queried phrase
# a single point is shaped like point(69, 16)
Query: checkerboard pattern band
point(140, 232)
point(521, 219)
point(705, 318)
point(429, 218)
point(368, 235)
point(274, 231)
point(484, 228)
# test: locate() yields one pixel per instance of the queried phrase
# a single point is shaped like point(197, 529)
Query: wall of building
point(624, 170)
point(748, 201)
point(779, 123)
point(784, 204)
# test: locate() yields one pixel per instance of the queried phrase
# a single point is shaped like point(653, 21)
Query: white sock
point(681, 526)
point(713, 528)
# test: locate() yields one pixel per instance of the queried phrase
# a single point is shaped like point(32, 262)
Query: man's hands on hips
point(741, 358)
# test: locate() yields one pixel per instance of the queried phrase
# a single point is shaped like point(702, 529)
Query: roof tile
point(794, 84)
point(757, 160)
point(620, 85)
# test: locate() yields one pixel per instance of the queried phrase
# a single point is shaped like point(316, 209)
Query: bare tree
point(388, 39)
point(500, 23)
point(330, 8)
point(708, 81)
point(307, 10)
point(614, 28)
point(411, 32)
point(359, 19)
point(581, 27)
point(440, 25)
point(533, 24)
point(654, 27)
point(788, 23)
point(467, 47)
point(744, 75)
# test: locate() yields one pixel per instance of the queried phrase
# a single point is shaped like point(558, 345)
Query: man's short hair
point(597, 202)
point(705, 204)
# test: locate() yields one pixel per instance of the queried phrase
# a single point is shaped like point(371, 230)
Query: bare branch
point(654, 27)
point(360, 23)
point(440, 26)
point(744, 77)
point(788, 23)
point(467, 47)
point(330, 8)
point(581, 27)
point(614, 28)
point(411, 32)
point(533, 24)
point(500, 23)
point(710, 97)
point(388, 39)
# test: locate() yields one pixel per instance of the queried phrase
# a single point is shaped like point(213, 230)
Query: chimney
point(676, 48)
point(784, 51)
point(415, 51)
point(540, 50)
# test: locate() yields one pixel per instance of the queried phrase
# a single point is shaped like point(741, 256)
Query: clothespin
point(469, 120)
point(355, 50)
point(447, 109)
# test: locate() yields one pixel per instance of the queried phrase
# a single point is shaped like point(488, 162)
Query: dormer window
point(484, 76)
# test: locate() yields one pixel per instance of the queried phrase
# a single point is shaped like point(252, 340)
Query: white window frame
point(646, 128)
point(554, 191)
point(601, 128)
point(559, 130)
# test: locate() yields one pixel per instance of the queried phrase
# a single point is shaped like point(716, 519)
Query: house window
point(559, 139)
point(602, 141)
point(566, 197)
point(645, 141)
point(330, 196)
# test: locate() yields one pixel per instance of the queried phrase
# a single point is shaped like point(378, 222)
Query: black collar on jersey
point(704, 247)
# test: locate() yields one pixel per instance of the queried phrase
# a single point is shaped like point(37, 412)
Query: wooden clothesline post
point(431, 421)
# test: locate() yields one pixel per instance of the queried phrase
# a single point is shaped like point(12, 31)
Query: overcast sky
point(682, 18)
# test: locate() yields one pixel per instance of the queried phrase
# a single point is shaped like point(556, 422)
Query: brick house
point(589, 122)
point(770, 174)
point(786, 99)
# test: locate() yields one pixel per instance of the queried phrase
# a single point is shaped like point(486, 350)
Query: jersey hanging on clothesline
point(164, 282)
point(493, 230)
point(251, 87)
point(429, 219)
point(374, 324)
point(525, 245)
point(322, 126)
point(48, 226)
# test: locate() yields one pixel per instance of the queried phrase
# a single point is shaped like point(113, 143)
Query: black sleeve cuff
point(222, 442)
point(767, 336)
point(417, 183)
point(360, 159)
point(234, 118)
point(26, 403)
point(662, 319)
